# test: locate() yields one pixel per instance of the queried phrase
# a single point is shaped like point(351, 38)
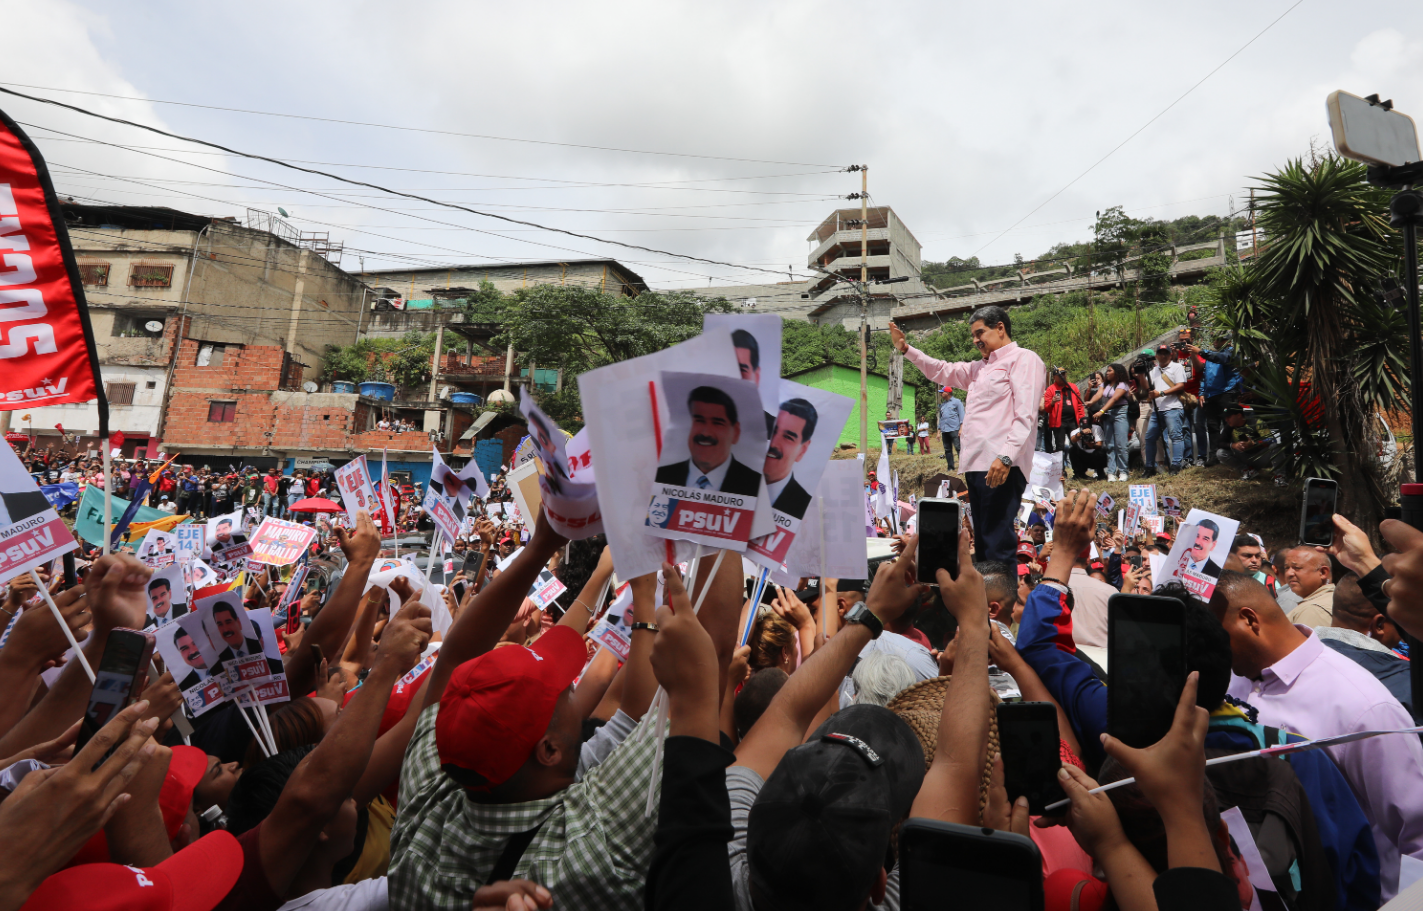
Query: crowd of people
point(1175, 406)
point(511, 763)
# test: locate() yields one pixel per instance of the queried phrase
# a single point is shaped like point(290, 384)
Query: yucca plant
point(1311, 338)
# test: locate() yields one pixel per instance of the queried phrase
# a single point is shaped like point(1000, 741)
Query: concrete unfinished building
point(835, 247)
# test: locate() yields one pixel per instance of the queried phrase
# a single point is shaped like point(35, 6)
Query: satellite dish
point(283, 211)
point(154, 325)
point(309, 386)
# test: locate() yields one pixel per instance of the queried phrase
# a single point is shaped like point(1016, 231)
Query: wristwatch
point(860, 614)
point(1007, 462)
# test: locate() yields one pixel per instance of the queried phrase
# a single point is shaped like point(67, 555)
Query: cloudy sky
point(718, 131)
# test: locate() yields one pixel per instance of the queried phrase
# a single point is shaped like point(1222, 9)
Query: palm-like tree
point(1312, 339)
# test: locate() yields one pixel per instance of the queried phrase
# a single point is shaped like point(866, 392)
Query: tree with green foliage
point(405, 361)
point(578, 329)
point(1321, 351)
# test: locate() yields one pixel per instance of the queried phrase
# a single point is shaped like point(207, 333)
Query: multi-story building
point(835, 247)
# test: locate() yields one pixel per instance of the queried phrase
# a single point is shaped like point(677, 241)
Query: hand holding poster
point(357, 493)
point(278, 542)
point(708, 476)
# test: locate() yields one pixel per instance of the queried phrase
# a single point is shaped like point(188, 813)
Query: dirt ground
point(1261, 508)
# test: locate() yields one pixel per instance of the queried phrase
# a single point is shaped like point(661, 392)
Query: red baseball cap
point(1027, 550)
point(1023, 569)
point(194, 879)
point(498, 706)
point(1066, 889)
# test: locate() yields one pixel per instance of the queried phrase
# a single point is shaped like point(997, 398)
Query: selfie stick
point(59, 618)
point(1406, 212)
point(1283, 749)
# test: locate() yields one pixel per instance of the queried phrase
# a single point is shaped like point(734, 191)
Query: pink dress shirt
point(1317, 692)
point(1001, 414)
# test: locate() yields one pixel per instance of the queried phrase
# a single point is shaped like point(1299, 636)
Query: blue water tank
point(383, 391)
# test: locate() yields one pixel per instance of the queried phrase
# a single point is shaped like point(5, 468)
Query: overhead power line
point(362, 183)
point(388, 126)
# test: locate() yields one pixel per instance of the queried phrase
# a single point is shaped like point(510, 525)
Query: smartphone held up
point(118, 680)
point(1316, 518)
point(939, 523)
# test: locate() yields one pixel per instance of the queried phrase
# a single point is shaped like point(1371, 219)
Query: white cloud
point(970, 115)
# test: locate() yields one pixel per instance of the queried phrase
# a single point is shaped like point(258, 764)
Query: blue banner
point(60, 495)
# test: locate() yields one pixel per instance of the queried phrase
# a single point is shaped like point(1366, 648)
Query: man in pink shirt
point(999, 427)
point(1298, 684)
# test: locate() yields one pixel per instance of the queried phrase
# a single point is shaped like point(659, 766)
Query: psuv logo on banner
point(47, 353)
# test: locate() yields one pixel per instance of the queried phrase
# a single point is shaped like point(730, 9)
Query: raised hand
point(362, 545)
point(894, 589)
point(684, 661)
point(406, 636)
point(792, 609)
point(117, 593)
point(965, 596)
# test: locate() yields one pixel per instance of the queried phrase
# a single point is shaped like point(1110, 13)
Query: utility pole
point(864, 311)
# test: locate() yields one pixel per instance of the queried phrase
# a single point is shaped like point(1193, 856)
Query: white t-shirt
point(366, 895)
point(1161, 380)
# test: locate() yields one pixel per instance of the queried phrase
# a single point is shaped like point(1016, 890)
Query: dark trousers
point(950, 440)
point(1220, 432)
point(994, 509)
point(1057, 437)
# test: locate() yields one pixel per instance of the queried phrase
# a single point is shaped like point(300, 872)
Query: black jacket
point(793, 500)
point(24, 504)
point(690, 870)
point(1389, 669)
point(739, 480)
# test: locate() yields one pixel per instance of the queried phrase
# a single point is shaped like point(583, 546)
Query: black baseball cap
point(819, 831)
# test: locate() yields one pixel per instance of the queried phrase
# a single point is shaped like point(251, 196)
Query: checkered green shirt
point(592, 851)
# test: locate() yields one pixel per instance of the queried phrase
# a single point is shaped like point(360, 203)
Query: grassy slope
point(1261, 507)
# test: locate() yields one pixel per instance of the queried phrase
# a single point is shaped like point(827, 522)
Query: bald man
point(1309, 575)
point(1286, 672)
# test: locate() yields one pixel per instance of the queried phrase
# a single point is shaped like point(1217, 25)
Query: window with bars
point(96, 274)
point(291, 372)
point(222, 412)
point(150, 275)
point(119, 393)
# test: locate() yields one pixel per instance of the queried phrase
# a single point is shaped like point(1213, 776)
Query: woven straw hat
point(922, 707)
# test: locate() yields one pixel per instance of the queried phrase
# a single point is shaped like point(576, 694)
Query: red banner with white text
point(47, 354)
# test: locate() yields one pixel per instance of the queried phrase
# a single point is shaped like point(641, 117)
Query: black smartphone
point(457, 589)
point(118, 680)
point(70, 578)
point(939, 525)
point(1134, 560)
point(984, 868)
point(1316, 518)
point(1028, 742)
point(1146, 666)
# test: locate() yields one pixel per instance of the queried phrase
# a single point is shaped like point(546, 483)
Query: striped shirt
point(592, 850)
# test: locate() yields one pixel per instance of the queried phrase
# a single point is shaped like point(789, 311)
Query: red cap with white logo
point(194, 879)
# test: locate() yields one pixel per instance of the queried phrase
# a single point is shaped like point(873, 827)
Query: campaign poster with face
point(894, 430)
point(280, 543)
point(239, 651)
point(806, 430)
point(189, 540)
point(1144, 495)
point(709, 471)
point(570, 506)
point(1171, 505)
point(274, 687)
point(1200, 550)
point(167, 596)
point(31, 532)
point(614, 631)
point(757, 340)
point(158, 549)
point(225, 531)
point(188, 654)
point(357, 493)
point(1105, 504)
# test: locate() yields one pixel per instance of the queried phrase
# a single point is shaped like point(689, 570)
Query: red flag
point(60, 428)
point(116, 438)
point(47, 353)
